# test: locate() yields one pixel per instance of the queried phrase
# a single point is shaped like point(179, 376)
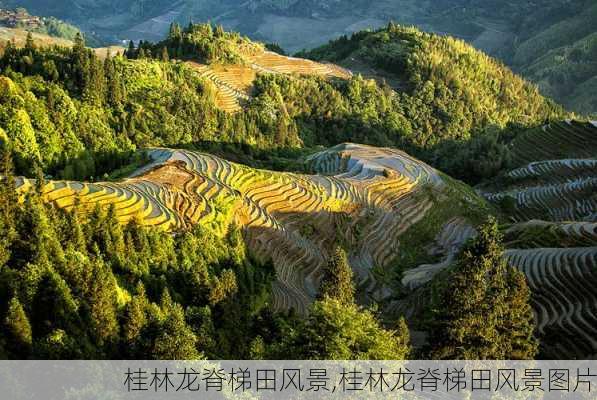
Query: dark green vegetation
point(483, 310)
point(562, 58)
point(67, 113)
point(337, 279)
point(337, 328)
point(87, 115)
point(91, 288)
point(200, 42)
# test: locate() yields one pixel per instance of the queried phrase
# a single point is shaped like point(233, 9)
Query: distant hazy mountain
point(297, 24)
point(549, 41)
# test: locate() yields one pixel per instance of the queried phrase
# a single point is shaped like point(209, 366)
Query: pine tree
point(29, 42)
point(53, 305)
point(392, 27)
point(116, 93)
point(136, 318)
point(282, 133)
point(102, 301)
point(484, 310)
point(94, 88)
point(175, 32)
point(219, 32)
point(76, 235)
point(403, 335)
point(10, 53)
point(81, 60)
point(176, 340)
point(222, 287)
point(79, 43)
point(337, 280)
point(518, 322)
point(8, 207)
point(337, 331)
point(18, 328)
point(131, 52)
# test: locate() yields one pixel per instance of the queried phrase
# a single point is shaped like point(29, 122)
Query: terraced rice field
point(271, 62)
point(564, 139)
point(563, 282)
point(292, 218)
point(553, 190)
point(537, 233)
point(447, 244)
point(233, 83)
point(552, 200)
point(366, 198)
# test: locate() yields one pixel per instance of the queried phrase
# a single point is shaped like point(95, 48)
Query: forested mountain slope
point(548, 41)
point(87, 194)
point(454, 100)
point(446, 88)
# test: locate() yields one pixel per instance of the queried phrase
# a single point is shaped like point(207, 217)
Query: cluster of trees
point(336, 328)
point(52, 112)
point(200, 42)
point(88, 115)
point(77, 285)
point(482, 308)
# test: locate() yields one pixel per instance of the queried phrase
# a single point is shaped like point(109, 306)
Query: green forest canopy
point(456, 105)
point(67, 113)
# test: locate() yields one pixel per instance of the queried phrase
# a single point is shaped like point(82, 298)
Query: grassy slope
point(20, 35)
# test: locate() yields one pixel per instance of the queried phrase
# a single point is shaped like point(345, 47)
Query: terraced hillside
point(559, 260)
point(233, 83)
point(365, 197)
point(552, 200)
point(550, 205)
point(557, 179)
point(564, 139)
point(562, 281)
point(371, 200)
